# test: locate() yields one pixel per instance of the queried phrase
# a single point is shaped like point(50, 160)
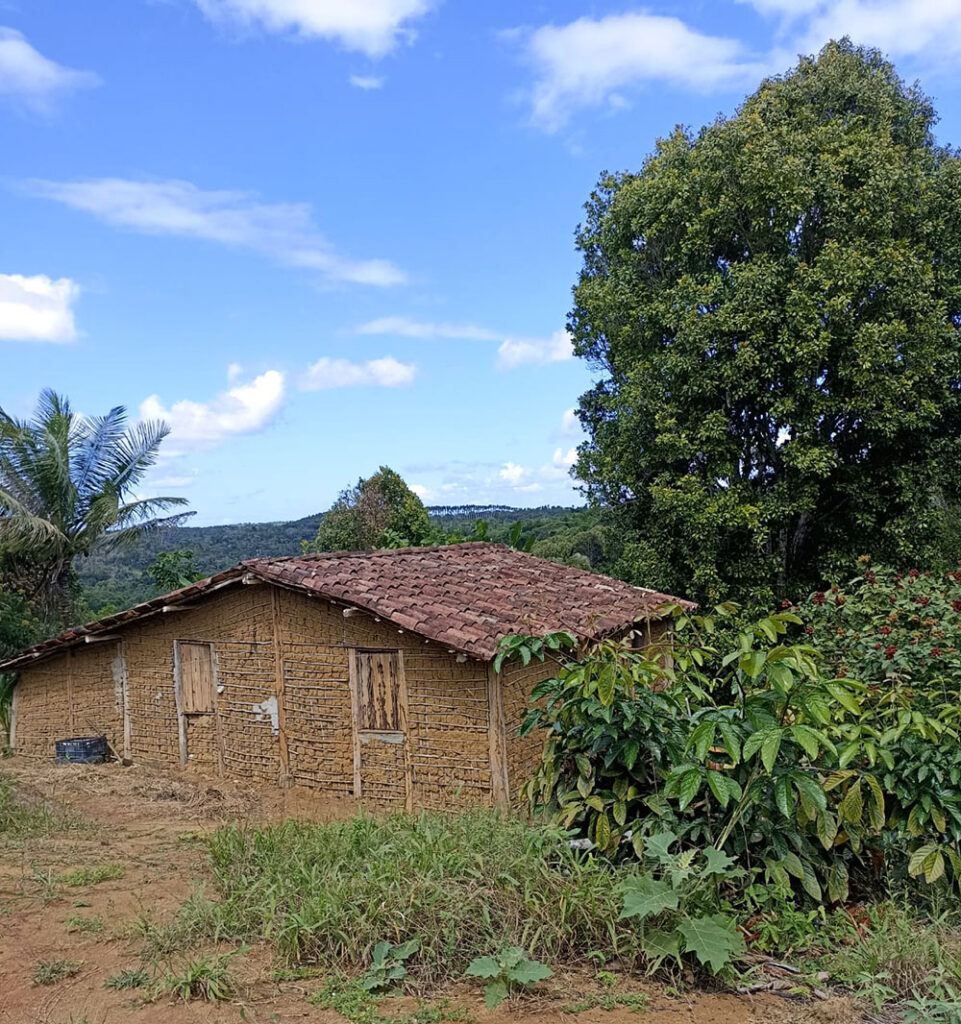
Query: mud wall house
point(362, 674)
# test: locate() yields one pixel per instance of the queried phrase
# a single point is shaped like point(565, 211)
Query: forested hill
point(119, 579)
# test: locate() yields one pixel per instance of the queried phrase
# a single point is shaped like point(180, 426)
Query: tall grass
point(20, 819)
point(465, 885)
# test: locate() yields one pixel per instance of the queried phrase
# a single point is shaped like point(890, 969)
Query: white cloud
point(564, 460)
point(908, 28)
point(372, 26)
point(283, 231)
point(405, 327)
point(367, 82)
point(515, 352)
point(27, 77)
point(570, 424)
point(422, 492)
point(242, 409)
point(512, 473)
point(234, 372)
point(586, 62)
point(386, 372)
point(37, 308)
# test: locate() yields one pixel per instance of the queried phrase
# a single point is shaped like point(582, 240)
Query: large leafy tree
point(380, 511)
point(773, 304)
point(68, 485)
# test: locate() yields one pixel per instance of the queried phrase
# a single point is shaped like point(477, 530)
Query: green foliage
point(507, 971)
point(172, 570)
point(128, 978)
point(84, 925)
point(381, 511)
point(67, 487)
point(94, 875)
point(207, 977)
point(772, 303)
point(757, 751)
point(49, 972)
point(387, 964)
point(464, 884)
point(678, 904)
point(898, 633)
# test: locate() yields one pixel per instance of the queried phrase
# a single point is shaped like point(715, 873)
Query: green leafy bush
point(899, 634)
point(679, 904)
point(387, 964)
point(758, 748)
point(505, 972)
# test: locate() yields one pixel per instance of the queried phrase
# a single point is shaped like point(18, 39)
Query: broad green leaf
point(851, 808)
point(529, 971)
point(494, 994)
point(769, 750)
point(708, 938)
point(483, 967)
point(717, 862)
point(645, 896)
point(602, 831)
point(688, 788)
point(658, 946)
point(658, 846)
point(918, 858)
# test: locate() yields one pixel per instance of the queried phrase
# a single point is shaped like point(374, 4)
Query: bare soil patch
point(133, 852)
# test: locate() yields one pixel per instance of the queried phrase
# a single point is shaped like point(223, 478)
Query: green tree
point(381, 511)
point(171, 570)
point(773, 305)
point(68, 486)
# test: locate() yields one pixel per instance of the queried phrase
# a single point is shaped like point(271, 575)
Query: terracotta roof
point(465, 596)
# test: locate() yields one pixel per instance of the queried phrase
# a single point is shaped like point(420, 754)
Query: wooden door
point(379, 701)
point(195, 680)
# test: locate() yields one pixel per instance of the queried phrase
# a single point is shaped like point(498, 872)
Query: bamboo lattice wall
point(307, 733)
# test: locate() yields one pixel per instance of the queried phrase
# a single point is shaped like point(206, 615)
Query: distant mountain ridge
point(119, 578)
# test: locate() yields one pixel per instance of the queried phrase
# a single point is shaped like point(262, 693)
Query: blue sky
point(319, 236)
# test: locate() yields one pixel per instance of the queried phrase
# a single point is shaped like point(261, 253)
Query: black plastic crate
point(82, 750)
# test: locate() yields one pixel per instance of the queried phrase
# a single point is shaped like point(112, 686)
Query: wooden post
point(181, 720)
point(125, 702)
point(283, 752)
point(497, 732)
point(402, 709)
point(355, 717)
point(71, 713)
point(218, 725)
point(15, 700)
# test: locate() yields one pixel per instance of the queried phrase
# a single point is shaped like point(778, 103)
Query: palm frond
point(91, 459)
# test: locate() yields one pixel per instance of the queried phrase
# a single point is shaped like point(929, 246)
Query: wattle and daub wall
point(284, 707)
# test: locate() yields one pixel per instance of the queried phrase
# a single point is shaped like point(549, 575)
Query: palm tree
point(67, 486)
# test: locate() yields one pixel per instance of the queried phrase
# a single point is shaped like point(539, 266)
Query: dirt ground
point(148, 824)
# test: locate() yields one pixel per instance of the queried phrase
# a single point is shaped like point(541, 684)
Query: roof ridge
point(368, 552)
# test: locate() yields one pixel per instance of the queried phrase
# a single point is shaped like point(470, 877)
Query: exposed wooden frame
point(71, 711)
point(125, 702)
point(14, 701)
point(353, 676)
point(178, 698)
point(497, 732)
point(279, 690)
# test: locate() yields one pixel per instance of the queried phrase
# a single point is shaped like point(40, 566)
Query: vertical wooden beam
point(218, 725)
point(497, 733)
point(403, 723)
point(353, 677)
point(15, 700)
point(282, 749)
point(125, 702)
point(178, 698)
point(71, 713)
